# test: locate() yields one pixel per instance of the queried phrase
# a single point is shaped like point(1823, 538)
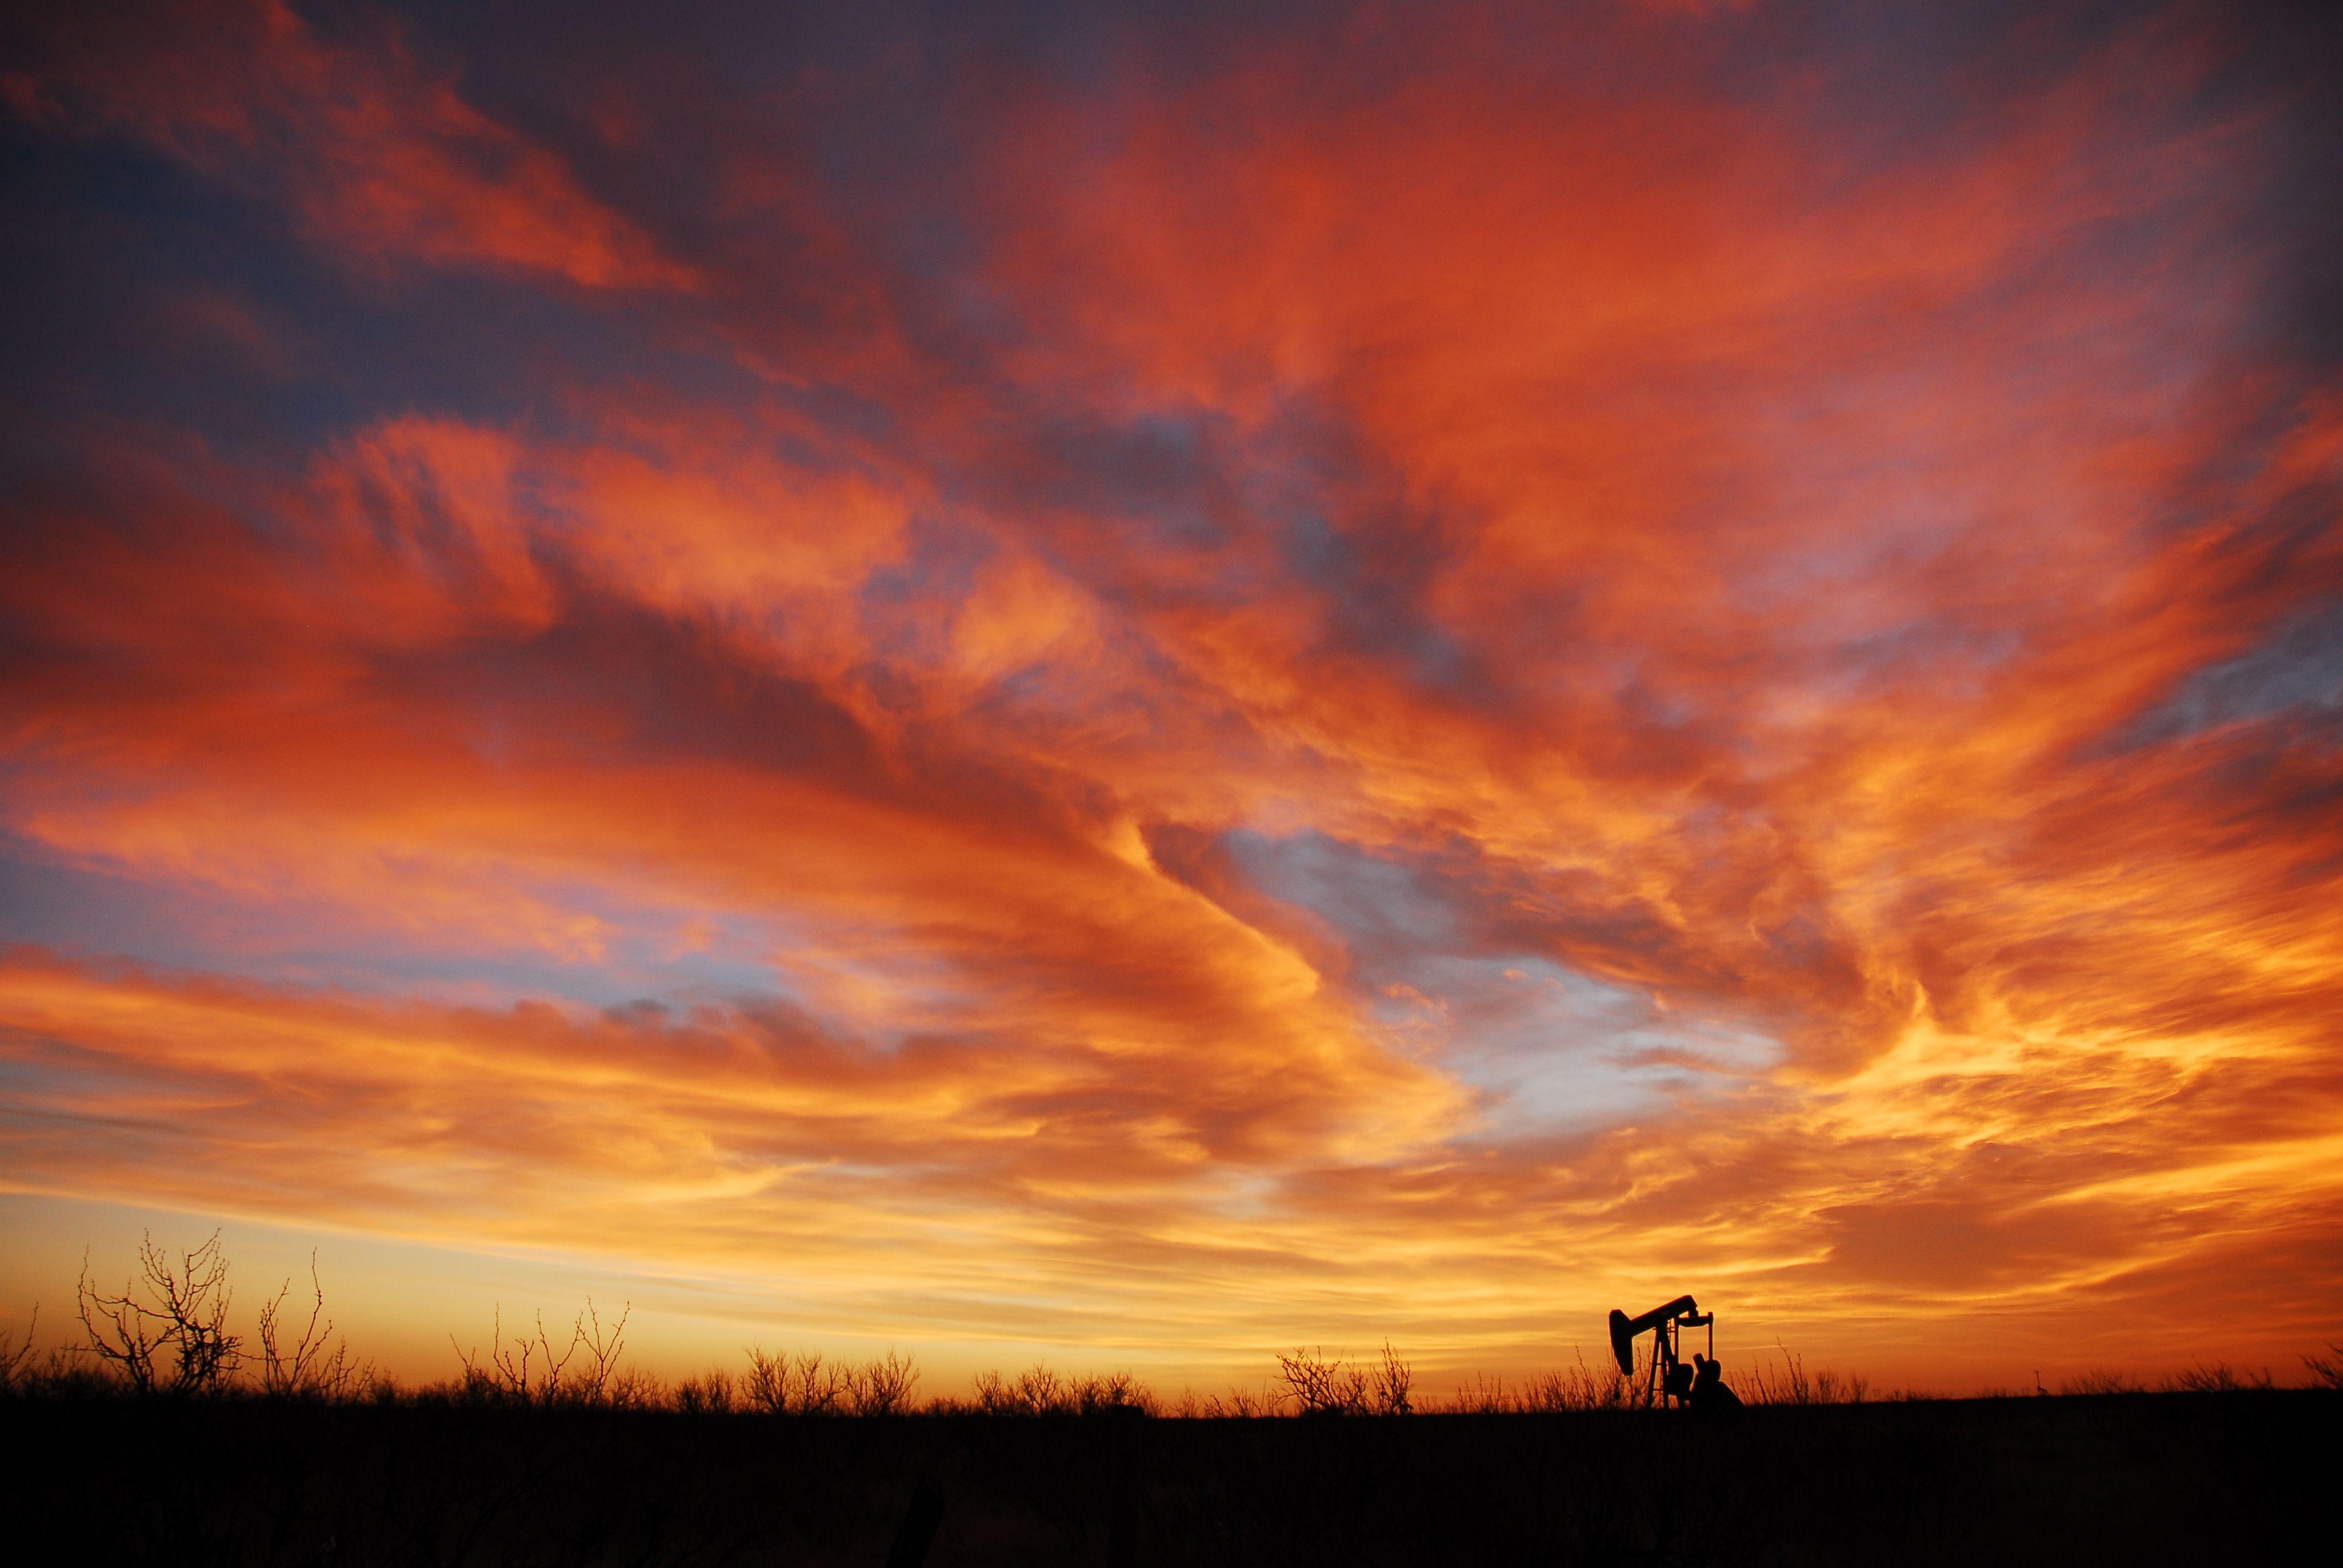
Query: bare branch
point(314, 1365)
point(117, 1331)
point(16, 1354)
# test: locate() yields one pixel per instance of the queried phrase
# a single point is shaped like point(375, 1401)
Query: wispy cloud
point(366, 153)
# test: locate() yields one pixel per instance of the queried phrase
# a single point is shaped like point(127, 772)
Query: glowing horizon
point(1134, 690)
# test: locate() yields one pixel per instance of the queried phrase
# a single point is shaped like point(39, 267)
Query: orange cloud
point(370, 154)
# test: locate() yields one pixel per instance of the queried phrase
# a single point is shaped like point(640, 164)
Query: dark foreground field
point(2132, 1478)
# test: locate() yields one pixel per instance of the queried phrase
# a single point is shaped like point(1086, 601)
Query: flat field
point(2120, 1479)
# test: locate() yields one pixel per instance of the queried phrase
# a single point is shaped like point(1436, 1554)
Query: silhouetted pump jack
point(1667, 1376)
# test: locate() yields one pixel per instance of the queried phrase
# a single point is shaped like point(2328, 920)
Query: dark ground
point(2126, 1478)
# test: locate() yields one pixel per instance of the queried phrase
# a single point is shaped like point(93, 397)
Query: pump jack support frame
point(1665, 1325)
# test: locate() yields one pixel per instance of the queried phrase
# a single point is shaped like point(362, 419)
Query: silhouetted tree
point(532, 1370)
point(883, 1387)
point(16, 1355)
point(183, 1313)
point(313, 1365)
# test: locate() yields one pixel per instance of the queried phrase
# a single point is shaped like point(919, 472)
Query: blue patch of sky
point(1162, 473)
point(1550, 1048)
point(676, 957)
point(2295, 673)
point(1189, 480)
point(1555, 1050)
point(1374, 590)
point(121, 245)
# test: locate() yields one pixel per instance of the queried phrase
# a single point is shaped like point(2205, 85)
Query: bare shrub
point(1484, 1395)
point(2217, 1378)
point(1793, 1384)
point(2099, 1381)
point(1317, 1385)
point(1040, 1392)
point(314, 1364)
point(1572, 1388)
point(634, 1389)
point(1841, 1388)
point(2326, 1372)
point(1790, 1385)
point(767, 1386)
point(532, 1370)
point(881, 1387)
point(1103, 1393)
point(16, 1356)
point(1541, 1393)
point(183, 1311)
point(995, 1397)
point(1603, 1387)
point(1389, 1384)
point(597, 1351)
point(709, 1393)
point(821, 1390)
point(779, 1384)
point(1327, 1386)
point(1238, 1405)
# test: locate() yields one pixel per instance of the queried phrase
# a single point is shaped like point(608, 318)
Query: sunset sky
point(1134, 685)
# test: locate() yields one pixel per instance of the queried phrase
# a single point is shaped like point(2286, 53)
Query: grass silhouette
point(545, 1447)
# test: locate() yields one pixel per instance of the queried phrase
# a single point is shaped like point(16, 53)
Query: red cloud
point(372, 157)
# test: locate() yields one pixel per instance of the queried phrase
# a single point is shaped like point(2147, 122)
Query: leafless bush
point(1790, 1385)
point(634, 1389)
point(1793, 1384)
point(16, 1355)
point(2217, 1378)
point(1603, 1387)
point(183, 1311)
point(1841, 1388)
point(1574, 1388)
point(1317, 1385)
point(1040, 1392)
point(767, 1386)
point(1388, 1384)
point(118, 1333)
point(1541, 1393)
point(821, 1390)
point(779, 1383)
point(314, 1364)
point(881, 1387)
point(531, 1370)
point(1486, 1396)
point(2099, 1381)
point(2326, 1372)
point(995, 1396)
point(709, 1393)
point(1241, 1405)
point(1103, 1393)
